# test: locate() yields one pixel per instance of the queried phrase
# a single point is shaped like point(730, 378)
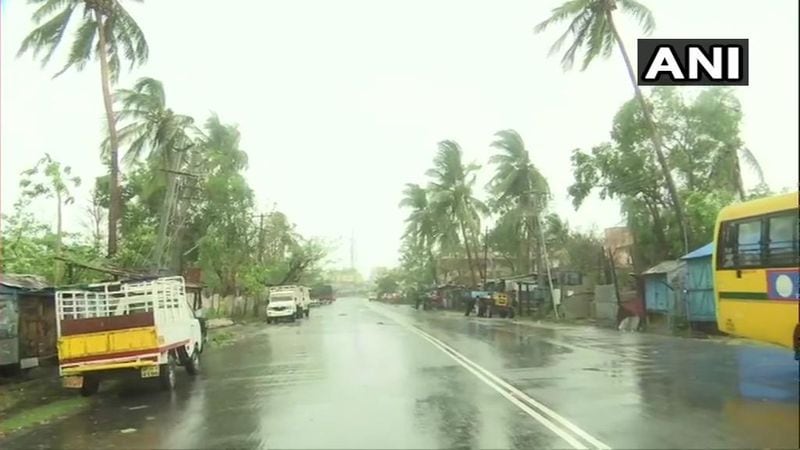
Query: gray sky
point(342, 103)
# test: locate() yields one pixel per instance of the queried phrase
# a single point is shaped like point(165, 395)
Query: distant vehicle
point(323, 293)
point(143, 329)
point(500, 300)
point(288, 303)
point(756, 263)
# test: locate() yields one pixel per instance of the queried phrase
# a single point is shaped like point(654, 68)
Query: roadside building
point(663, 292)
point(27, 321)
point(699, 288)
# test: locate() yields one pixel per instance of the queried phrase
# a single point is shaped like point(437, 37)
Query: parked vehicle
point(139, 329)
point(501, 303)
point(323, 293)
point(756, 263)
point(288, 303)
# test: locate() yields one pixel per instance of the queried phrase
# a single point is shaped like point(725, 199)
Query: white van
point(288, 302)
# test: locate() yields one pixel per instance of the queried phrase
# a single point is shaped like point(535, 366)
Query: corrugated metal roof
point(23, 281)
point(701, 252)
point(664, 267)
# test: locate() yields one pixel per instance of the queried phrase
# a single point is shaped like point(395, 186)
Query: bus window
point(741, 244)
point(749, 243)
point(783, 245)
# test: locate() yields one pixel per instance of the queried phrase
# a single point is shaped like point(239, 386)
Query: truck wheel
point(269, 321)
point(193, 364)
point(293, 317)
point(166, 374)
point(90, 386)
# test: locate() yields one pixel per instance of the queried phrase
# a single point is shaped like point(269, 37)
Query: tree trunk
point(654, 135)
point(469, 252)
point(433, 267)
point(115, 207)
point(59, 266)
point(737, 168)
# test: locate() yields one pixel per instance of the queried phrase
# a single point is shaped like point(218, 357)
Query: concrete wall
point(605, 304)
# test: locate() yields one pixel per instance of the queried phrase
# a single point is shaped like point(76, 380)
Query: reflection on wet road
point(353, 377)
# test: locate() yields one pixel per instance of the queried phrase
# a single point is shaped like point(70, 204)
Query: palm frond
point(81, 50)
point(752, 162)
point(639, 12)
point(599, 33)
point(560, 13)
point(48, 8)
point(46, 37)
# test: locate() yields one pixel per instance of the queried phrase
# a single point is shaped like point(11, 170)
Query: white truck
point(288, 303)
point(139, 329)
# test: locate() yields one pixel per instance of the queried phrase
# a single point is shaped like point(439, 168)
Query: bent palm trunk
point(654, 136)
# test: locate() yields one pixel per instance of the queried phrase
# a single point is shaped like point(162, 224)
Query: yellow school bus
point(756, 259)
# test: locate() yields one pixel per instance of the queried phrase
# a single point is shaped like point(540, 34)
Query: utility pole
point(485, 255)
point(546, 259)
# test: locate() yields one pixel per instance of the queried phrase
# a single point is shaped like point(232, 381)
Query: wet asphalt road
point(352, 376)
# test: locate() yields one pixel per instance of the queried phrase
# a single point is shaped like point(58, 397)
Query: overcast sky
point(340, 103)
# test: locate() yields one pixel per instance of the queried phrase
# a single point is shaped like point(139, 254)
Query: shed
point(27, 320)
point(660, 282)
point(699, 289)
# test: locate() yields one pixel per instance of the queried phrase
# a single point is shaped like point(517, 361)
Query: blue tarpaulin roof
point(701, 252)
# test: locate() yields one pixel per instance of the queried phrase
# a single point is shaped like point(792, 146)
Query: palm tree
point(519, 190)
point(106, 31)
point(451, 197)
point(421, 226)
point(593, 29)
point(147, 125)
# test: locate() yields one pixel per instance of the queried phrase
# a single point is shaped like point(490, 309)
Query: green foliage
point(519, 194)
point(702, 137)
point(456, 211)
point(124, 38)
point(591, 28)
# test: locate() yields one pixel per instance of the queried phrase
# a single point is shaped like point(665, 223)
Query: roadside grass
point(222, 338)
point(42, 414)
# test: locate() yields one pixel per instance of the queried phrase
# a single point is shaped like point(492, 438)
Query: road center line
point(512, 394)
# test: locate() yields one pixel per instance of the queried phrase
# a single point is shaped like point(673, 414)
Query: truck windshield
point(280, 298)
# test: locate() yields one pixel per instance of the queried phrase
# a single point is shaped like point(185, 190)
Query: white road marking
point(512, 394)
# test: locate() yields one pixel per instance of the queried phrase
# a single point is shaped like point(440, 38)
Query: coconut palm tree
point(592, 29)
point(149, 127)
point(452, 201)
point(520, 191)
point(421, 226)
point(104, 30)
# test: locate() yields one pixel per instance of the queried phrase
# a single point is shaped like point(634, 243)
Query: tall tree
point(452, 200)
point(520, 191)
point(593, 30)
point(105, 31)
point(49, 179)
point(421, 227)
point(149, 127)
